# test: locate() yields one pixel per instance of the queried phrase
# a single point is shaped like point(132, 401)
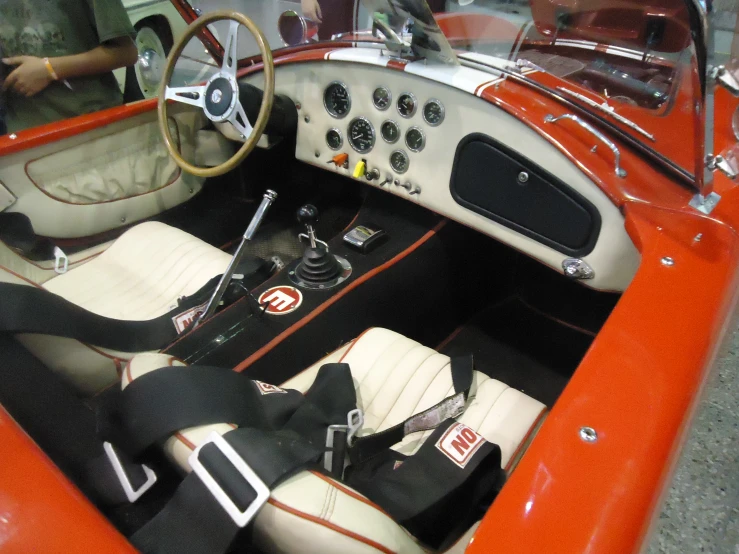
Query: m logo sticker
point(282, 300)
point(459, 443)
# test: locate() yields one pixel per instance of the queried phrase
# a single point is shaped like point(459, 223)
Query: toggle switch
point(340, 160)
point(360, 169)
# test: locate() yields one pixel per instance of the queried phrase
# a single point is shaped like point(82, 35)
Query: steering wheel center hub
point(221, 95)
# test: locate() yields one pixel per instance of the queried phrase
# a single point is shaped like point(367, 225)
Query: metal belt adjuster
point(61, 261)
point(354, 422)
point(240, 518)
point(132, 494)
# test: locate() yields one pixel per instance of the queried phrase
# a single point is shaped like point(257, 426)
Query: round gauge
point(381, 98)
point(361, 135)
point(406, 104)
point(336, 99)
point(433, 112)
point(390, 132)
point(415, 139)
point(399, 161)
point(334, 139)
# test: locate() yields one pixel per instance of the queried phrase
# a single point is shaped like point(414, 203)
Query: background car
point(157, 24)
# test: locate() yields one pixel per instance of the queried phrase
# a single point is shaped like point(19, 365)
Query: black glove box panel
point(500, 184)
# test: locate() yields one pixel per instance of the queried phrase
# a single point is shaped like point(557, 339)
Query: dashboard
point(402, 131)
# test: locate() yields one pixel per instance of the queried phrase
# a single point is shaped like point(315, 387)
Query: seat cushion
point(395, 377)
point(139, 277)
point(142, 274)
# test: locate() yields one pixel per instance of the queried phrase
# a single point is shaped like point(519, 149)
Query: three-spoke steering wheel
point(219, 96)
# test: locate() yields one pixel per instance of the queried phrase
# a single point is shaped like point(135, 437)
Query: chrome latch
point(61, 261)
point(575, 268)
point(354, 422)
point(725, 78)
point(727, 165)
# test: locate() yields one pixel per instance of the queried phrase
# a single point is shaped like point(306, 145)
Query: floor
point(701, 511)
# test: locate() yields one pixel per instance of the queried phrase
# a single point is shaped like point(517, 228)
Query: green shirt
point(51, 28)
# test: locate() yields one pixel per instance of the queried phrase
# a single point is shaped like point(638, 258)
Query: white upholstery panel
point(142, 274)
point(131, 163)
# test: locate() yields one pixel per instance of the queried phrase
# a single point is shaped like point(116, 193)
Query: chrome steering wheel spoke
point(240, 122)
point(194, 96)
point(230, 53)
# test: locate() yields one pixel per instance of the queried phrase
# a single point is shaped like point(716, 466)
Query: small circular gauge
point(415, 139)
point(336, 99)
point(390, 132)
point(361, 135)
point(381, 98)
point(407, 104)
point(433, 112)
point(334, 140)
point(399, 161)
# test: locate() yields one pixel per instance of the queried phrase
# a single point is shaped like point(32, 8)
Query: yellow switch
point(359, 169)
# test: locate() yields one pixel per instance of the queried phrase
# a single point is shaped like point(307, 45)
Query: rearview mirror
point(295, 29)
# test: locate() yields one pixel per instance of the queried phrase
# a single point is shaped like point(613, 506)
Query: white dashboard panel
point(614, 258)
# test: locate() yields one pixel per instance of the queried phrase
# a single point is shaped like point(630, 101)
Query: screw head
point(523, 177)
point(123, 219)
point(307, 119)
point(588, 434)
point(667, 261)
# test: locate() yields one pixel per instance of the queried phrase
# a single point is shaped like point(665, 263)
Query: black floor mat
point(522, 348)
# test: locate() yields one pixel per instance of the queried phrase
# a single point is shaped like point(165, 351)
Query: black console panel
point(500, 184)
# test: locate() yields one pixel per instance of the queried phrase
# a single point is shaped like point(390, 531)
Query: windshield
point(629, 62)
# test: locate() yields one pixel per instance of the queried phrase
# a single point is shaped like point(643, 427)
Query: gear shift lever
point(318, 268)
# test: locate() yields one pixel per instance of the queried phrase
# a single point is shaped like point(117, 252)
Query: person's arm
point(31, 75)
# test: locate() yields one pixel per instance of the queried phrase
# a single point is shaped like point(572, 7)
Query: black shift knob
point(308, 215)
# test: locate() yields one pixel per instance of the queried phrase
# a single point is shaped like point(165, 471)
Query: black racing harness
point(435, 493)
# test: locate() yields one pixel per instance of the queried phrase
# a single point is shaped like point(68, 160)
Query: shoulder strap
point(462, 368)
point(25, 309)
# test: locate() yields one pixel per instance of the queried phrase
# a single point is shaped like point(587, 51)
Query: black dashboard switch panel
point(365, 238)
point(492, 180)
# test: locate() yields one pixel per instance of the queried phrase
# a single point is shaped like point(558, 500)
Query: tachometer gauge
point(361, 135)
point(415, 139)
point(406, 104)
point(399, 161)
point(334, 140)
point(381, 98)
point(336, 99)
point(433, 112)
point(390, 132)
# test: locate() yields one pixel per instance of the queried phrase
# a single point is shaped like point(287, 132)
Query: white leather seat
point(395, 377)
point(139, 276)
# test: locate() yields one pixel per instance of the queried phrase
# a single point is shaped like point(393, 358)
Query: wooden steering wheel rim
point(267, 98)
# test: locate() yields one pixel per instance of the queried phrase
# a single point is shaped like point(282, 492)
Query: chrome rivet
point(317, 154)
point(523, 177)
point(588, 434)
point(667, 261)
point(191, 190)
point(698, 237)
point(123, 219)
point(594, 149)
point(13, 136)
point(219, 339)
point(307, 119)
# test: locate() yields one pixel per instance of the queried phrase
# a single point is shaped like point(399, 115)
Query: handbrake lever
point(269, 197)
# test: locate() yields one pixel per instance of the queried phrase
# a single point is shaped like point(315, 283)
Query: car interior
point(394, 220)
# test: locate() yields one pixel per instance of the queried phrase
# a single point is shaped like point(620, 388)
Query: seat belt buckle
point(239, 517)
point(354, 422)
point(132, 494)
point(61, 262)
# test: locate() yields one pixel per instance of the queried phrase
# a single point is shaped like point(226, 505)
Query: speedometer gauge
point(361, 134)
point(381, 98)
point(433, 112)
point(336, 99)
point(407, 104)
point(399, 161)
